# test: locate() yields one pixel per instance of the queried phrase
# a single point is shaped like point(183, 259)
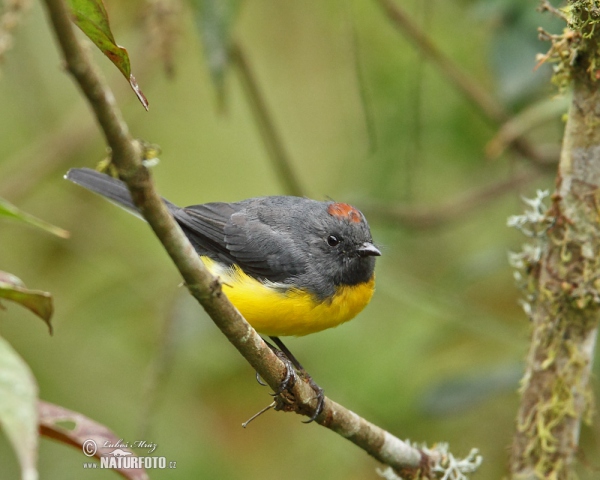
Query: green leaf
point(40, 303)
point(18, 408)
point(215, 20)
point(91, 17)
point(8, 210)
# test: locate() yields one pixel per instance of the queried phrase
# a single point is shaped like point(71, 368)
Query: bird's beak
point(367, 249)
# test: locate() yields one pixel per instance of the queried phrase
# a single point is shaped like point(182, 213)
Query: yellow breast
point(275, 313)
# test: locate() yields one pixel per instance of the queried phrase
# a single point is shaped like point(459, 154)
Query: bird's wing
point(204, 225)
point(262, 249)
point(227, 232)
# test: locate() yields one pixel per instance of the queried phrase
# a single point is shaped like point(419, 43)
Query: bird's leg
point(282, 349)
point(290, 374)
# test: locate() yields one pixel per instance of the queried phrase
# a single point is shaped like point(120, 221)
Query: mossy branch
point(562, 273)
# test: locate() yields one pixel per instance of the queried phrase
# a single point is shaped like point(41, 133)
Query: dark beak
point(368, 250)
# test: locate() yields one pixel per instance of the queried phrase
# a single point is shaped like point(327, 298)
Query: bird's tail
point(107, 186)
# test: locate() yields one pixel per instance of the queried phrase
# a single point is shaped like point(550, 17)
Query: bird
point(292, 266)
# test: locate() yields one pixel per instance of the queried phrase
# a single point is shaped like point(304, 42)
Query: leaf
point(91, 17)
point(214, 20)
point(77, 430)
point(18, 408)
point(8, 210)
point(40, 303)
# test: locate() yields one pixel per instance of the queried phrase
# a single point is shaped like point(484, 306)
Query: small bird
point(290, 265)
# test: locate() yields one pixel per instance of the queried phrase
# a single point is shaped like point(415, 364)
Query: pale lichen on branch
point(445, 467)
point(557, 272)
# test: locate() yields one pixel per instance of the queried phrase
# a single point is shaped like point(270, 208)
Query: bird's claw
point(260, 380)
point(290, 374)
point(320, 398)
point(291, 366)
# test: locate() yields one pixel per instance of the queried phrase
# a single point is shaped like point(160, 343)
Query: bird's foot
point(290, 377)
point(320, 395)
point(292, 366)
point(290, 373)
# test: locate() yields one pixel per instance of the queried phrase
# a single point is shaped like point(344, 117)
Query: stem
point(491, 109)
point(270, 135)
point(422, 217)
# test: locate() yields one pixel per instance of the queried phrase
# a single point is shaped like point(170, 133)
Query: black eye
point(332, 241)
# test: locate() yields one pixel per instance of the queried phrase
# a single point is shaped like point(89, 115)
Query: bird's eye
point(332, 241)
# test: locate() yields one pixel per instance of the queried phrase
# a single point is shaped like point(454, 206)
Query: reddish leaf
point(83, 433)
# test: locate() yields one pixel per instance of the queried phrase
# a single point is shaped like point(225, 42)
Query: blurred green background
point(365, 118)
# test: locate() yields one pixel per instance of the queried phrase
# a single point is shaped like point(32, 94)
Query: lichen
point(558, 272)
point(445, 467)
point(576, 43)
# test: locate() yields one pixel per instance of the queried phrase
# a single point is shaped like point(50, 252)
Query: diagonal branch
point(421, 217)
point(492, 110)
point(271, 137)
point(470, 88)
point(201, 284)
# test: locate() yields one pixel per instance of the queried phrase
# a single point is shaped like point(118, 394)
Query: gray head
point(335, 242)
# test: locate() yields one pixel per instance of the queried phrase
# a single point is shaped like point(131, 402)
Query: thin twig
point(202, 285)
point(415, 155)
point(427, 217)
point(52, 152)
point(546, 6)
point(365, 101)
point(470, 88)
point(48, 154)
point(492, 110)
point(160, 369)
point(525, 121)
point(279, 156)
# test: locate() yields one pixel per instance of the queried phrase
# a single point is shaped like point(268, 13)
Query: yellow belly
point(275, 313)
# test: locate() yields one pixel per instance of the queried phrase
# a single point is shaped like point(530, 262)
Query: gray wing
point(263, 250)
point(204, 225)
point(234, 234)
point(231, 233)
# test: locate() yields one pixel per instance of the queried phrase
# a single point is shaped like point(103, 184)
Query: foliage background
point(437, 354)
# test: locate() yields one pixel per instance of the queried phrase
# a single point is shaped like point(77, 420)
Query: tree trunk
point(564, 278)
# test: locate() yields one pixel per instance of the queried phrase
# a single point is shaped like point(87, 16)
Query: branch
point(45, 156)
point(425, 217)
point(271, 138)
point(202, 285)
point(50, 154)
point(525, 121)
point(560, 272)
point(492, 110)
point(471, 90)
point(359, 73)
